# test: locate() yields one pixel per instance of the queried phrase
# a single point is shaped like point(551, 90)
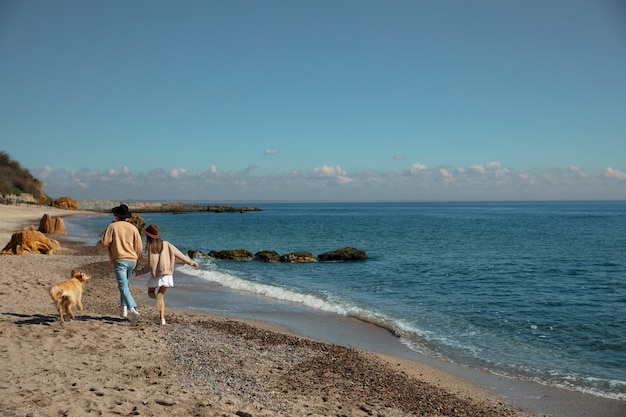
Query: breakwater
point(105, 206)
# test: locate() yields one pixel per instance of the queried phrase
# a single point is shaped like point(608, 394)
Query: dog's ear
point(74, 273)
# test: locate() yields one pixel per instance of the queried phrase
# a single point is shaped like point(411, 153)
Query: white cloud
point(118, 172)
point(44, 173)
point(445, 176)
point(398, 157)
point(331, 175)
point(579, 172)
point(417, 168)
point(614, 174)
point(328, 171)
point(178, 173)
point(490, 181)
point(271, 152)
point(483, 169)
point(343, 180)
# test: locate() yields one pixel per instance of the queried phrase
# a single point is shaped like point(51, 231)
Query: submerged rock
point(267, 256)
point(196, 254)
point(235, 254)
point(343, 254)
point(297, 257)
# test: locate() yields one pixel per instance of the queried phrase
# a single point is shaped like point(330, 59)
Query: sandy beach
point(198, 364)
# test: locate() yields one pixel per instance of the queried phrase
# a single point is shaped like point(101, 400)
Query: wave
point(416, 339)
point(233, 282)
point(327, 303)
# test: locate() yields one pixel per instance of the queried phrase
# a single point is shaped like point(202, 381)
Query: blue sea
point(530, 290)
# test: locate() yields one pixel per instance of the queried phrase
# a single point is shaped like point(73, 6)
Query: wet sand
point(328, 327)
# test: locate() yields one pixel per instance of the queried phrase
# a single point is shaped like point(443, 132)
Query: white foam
point(233, 282)
point(324, 302)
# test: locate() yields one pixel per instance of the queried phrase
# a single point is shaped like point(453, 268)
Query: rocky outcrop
point(235, 254)
point(267, 256)
point(194, 254)
point(297, 257)
point(29, 240)
point(51, 225)
point(344, 254)
point(65, 202)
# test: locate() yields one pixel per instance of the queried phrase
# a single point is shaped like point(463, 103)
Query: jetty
point(105, 206)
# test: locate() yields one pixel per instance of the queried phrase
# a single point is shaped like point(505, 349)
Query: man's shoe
point(134, 315)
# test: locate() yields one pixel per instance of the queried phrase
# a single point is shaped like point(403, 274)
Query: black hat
point(122, 211)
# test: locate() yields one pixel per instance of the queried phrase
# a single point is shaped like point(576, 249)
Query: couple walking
point(123, 241)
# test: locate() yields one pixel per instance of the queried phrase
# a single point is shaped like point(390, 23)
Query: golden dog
point(68, 293)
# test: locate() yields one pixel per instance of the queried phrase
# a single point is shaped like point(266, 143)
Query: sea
point(529, 290)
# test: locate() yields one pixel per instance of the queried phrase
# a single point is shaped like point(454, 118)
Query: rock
point(344, 254)
point(65, 202)
point(196, 254)
point(297, 257)
point(267, 256)
point(29, 240)
point(235, 254)
point(165, 403)
point(49, 224)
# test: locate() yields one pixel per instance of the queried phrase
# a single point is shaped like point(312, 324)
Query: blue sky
point(361, 100)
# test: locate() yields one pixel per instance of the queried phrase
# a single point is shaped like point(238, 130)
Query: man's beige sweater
point(123, 241)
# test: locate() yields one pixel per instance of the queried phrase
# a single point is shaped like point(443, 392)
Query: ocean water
point(535, 291)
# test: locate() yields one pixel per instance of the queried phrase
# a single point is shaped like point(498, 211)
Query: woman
point(161, 258)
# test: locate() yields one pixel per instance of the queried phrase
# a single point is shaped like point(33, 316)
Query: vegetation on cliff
point(16, 180)
point(18, 185)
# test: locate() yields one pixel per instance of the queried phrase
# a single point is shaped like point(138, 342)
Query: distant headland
point(105, 206)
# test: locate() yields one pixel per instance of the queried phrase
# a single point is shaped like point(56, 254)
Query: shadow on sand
point(50, 319)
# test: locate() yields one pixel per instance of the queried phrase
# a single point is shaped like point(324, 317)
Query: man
point(123, 241)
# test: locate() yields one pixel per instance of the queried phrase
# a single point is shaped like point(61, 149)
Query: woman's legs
point(160, 300)
point(160, 297)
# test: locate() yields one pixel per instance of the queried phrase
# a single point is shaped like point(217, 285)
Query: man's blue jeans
point(123, 271)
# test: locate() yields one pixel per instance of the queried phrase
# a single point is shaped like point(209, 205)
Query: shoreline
point(348, 331)
point(171, 357)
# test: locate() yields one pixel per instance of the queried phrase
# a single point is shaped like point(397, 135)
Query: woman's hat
point(122, 211)
point(152, 231)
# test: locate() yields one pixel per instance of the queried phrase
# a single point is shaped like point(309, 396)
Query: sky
point(342, 100)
